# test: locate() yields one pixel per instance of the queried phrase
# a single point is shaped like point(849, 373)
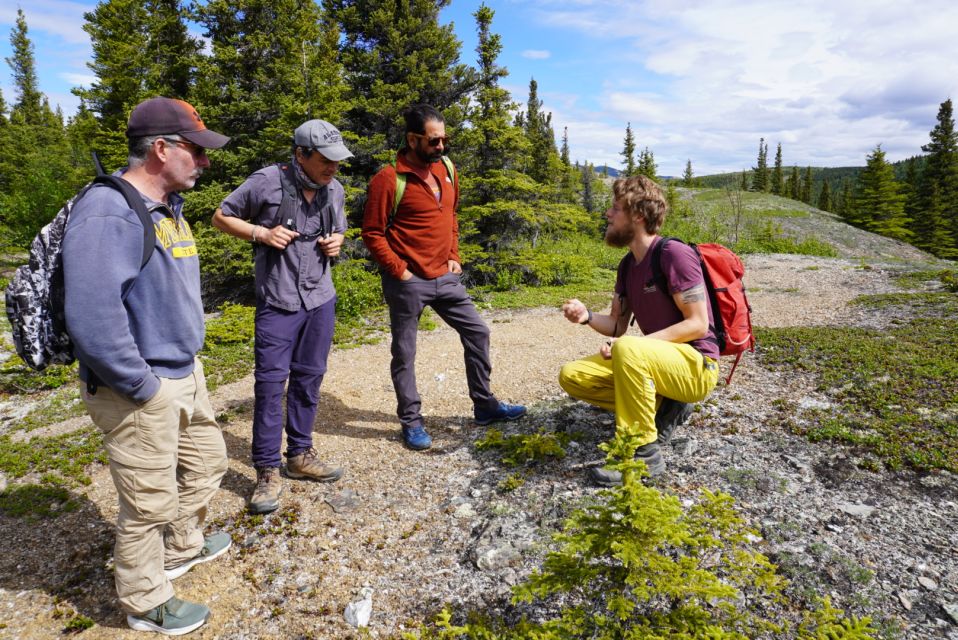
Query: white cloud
point(79, 79)
point(536, 54)
point(830, 80)
point(59, 18)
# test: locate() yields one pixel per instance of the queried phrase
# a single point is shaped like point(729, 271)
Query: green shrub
point(228, 350)
point(358, 290)
point(896, 388)
point(525, 447)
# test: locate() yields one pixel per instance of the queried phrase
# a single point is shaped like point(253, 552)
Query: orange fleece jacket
point(424, 234)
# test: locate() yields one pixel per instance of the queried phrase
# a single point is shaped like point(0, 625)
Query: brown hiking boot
point(266, 494)
point(305, 465)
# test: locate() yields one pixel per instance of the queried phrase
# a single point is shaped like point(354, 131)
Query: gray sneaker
point(649, 454)
point(671, 415)
point(269, 486)
point(214, 546)
point(174, 617)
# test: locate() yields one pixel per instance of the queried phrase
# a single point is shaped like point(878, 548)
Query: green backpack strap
point(401, 185)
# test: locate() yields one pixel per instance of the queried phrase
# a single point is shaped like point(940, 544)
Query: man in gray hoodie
point(136, 333)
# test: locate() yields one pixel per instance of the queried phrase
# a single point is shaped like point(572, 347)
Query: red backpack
point(723, 271)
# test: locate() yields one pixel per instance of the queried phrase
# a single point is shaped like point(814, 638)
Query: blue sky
point(828, 79)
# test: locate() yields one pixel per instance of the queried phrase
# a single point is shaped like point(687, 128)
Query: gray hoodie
point(131, 327)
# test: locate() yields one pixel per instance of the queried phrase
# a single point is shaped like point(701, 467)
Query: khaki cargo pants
point(167, 458)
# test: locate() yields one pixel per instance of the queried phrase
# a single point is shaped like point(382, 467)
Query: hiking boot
point(268, 488)
point(502, 411)
point(649, 454)
point(174, 617)
point(214, 546)
point(307, 466)
point(671, 415)
point(416, 438)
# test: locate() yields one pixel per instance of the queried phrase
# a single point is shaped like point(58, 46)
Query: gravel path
point(416, 527)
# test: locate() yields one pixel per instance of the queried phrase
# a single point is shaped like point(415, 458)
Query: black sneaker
point(649, 454)
point(671, 415)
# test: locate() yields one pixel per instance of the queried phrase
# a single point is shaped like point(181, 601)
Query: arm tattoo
point(695, 294)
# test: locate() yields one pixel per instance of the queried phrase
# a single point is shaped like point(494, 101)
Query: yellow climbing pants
point(641, 371)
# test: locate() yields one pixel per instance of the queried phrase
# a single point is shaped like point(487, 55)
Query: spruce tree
point(825, 197)
point(878, 205)
point(28, 106)
point(778, 175)
point(794, 184)
point(488, 151)
point(273, 66)
point(37, 175)
point(687, 177)
point(807, 186)
point(540, 136)
point(647, 165)
point(395, 54)
point(588, 179)
point(628, 152)
point(140, 50)
point(760, 172)
point(941, 175)
point(564, 151)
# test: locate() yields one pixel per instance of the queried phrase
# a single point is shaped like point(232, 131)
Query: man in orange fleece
point(416, 243)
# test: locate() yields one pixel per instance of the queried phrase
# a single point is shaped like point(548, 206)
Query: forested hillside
point(915, 200)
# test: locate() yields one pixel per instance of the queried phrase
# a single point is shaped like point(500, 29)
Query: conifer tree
point(941, 174)
point(795, 184)
point(844, 202)
point(647, 165)
point(395, 54)
point(588, 179)
point(878, 205)
point(745, 182)
point(140, 50)
point(564, 151)
point(688, 180)
point(28, 106)
point(825, 197)
point(760, 171)
point(273, 66)
point(628, 152)
point(807, 186)
point(778, 175)
point(538, 129)
point(37, 175)
point(492, 145)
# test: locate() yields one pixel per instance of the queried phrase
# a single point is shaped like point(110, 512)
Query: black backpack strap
point(658, 276)
point(135, 202)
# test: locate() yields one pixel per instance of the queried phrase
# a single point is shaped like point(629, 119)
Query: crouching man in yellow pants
point(674, 362)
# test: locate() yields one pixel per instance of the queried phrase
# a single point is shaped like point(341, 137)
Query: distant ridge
point(613, 173)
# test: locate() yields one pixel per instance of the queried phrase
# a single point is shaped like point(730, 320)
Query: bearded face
point(621, 229)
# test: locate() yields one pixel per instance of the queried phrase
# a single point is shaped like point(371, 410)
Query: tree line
point(268, 67)
point(915, 200)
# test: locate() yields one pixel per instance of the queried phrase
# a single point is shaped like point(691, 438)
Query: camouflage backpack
point(35, 295)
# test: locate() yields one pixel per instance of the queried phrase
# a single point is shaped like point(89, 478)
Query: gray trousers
point(448, 298)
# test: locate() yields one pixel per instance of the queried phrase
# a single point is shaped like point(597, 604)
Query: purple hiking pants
point(294, 345)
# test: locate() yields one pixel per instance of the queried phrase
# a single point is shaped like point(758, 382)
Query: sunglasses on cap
point(433, 142)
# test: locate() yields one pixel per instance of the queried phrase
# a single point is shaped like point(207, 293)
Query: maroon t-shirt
point(653, 309)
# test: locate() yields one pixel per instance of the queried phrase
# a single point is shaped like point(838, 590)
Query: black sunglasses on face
point(434, 142)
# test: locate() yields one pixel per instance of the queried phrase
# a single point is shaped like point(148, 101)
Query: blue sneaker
point(502, 412)
point(416, 438)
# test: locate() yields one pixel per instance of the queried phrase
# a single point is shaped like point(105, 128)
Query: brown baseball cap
point(158, 116)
